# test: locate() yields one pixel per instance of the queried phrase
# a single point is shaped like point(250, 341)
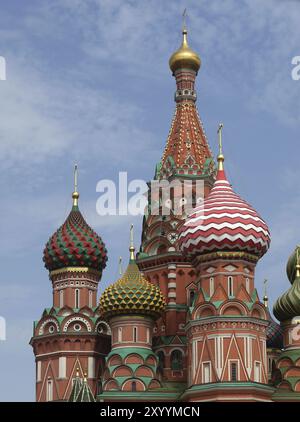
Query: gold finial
point(220, 155)
point(77, 372)
point(131, 247)
point(85, 376)
point(297, 263)
point(184, 57)
point(75, 194)
point(120, 265)
point(265, 298)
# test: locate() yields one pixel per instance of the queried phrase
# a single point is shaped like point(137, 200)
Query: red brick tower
point(71, 334)
point(226, 326)
point(186, 160)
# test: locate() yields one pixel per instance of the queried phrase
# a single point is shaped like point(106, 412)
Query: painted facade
point(184, 322)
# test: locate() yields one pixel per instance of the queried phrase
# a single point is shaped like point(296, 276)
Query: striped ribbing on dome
point(224, 221)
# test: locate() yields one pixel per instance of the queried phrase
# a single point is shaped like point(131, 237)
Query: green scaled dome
point(287, 306)
point(132, 294)
point(75, 244)
point(291, 265)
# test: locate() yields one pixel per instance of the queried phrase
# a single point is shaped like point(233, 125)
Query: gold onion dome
point(132, 294)
point(287, 306)
point(184, 57)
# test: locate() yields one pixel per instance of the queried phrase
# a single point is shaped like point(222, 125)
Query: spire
point(75, 194)
point(265, 298)
point(131, 247)
point(220, 155)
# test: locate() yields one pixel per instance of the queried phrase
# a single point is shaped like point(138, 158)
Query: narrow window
point(230, 286)
point(49, 393)
point(77, 298)
point(133, 386)
point(90, 298)
point(38, 371)
point(192, 297)
point(257, 372)
point(61, 298)
point(135, 334)
point(247, 285)
point(211, 286)
point(233, 371)
point(119, 334)
point(62, 367)
point(206, 372)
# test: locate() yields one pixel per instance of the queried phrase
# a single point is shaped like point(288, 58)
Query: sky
point(87, 82)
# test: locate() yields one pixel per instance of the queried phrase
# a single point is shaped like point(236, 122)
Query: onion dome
point(75, 244)
point(287, 306)
point(291, 265)
point(224, 222)
point(184, 57)
point(132, 294)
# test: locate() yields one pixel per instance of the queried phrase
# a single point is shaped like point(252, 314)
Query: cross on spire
point(131, 247)
point(184, 17)
point(220, 156)
point(265, 298)
point(75, 194)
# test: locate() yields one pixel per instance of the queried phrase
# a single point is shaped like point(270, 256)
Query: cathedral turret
point(131, 305)
point(287, 311)
point(70, 333)
point(226, 327)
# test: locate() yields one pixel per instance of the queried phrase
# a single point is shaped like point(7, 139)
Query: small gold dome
point(184, 57)
point(132, 294)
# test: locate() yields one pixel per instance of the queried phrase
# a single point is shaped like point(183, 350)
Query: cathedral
point(184, 322)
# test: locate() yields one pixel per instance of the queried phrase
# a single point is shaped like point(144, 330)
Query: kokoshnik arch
point(184, 322)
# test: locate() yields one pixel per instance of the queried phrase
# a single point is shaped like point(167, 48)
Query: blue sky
point(88, 82)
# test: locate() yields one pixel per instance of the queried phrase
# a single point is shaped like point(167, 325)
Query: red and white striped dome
point(224, 222)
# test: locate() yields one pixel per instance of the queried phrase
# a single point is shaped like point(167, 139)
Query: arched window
point(247, 284)
point(192, 297)
point(176, 360)
point(161, 360)
point(77, 298)
point(133, 386)
point(211, 286)
point(230, 286)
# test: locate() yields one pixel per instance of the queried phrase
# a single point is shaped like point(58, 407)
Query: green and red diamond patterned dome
point(75, 244)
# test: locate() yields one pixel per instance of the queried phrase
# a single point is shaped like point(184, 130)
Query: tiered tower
point(187, 162)
point(131, 306)
point(287, 311)
point(71, 334)
point(226, 326)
